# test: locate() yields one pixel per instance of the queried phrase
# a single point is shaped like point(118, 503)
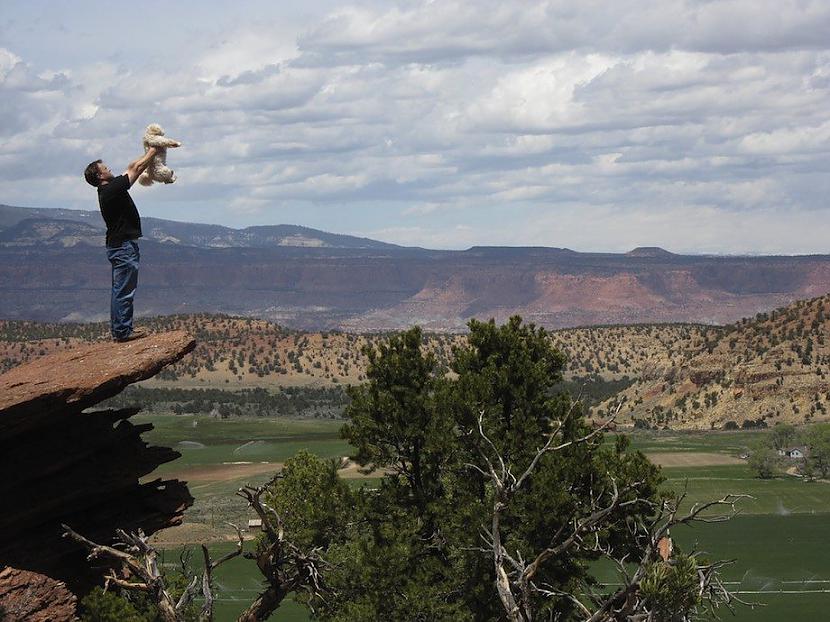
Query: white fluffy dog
point(157, 171)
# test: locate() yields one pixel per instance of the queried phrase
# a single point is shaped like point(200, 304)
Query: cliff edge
point(66, 463)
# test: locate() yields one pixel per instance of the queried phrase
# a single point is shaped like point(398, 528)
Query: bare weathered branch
point(549, 446)
point(138, 561)
point(207, 575)
point(286, 567)
point(188, 594)
point(515, 577)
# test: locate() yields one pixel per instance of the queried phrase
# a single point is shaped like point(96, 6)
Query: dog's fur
point(157, 171)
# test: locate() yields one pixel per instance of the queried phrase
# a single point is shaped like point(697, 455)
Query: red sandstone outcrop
point(72, 380)
point(378, 287)
point(65, 464)
point(34, 597)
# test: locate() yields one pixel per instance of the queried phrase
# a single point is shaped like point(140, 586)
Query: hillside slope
point(769, 368)
point(773, 367)
point(235, 352)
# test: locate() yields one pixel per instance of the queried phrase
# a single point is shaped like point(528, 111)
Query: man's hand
point(135, 168)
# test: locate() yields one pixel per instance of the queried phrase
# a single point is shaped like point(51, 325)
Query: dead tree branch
point(138, 561)
point(286, 567)
point(515, 578)
point(627, 602)
point(138, 564)
point(207, 576)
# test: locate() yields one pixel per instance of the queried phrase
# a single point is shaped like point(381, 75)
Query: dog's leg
point(165, 175)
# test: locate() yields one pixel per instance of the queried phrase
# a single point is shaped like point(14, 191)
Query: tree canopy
point(419, 546)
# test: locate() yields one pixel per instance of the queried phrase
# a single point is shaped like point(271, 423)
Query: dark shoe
point(136, 334)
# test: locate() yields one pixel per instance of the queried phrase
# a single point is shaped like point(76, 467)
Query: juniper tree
point(418, 547)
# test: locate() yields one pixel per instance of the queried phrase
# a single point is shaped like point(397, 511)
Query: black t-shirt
point(119, 211)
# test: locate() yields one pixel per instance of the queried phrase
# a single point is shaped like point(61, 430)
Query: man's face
point(104, 172)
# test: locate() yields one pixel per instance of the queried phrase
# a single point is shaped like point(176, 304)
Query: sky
point(697, 126)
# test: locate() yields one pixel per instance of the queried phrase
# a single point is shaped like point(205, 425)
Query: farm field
point(786, 573)
point(220, 455)
point(729, 443)
point(781, 539)
point(781, 563)
point(204, 440)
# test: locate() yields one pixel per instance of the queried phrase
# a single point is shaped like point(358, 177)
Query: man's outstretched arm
point(134, 169)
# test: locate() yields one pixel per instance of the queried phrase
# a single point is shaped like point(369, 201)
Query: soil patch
point(190, 533)
point(212, 473)
point(691, 459)
point(224, 472)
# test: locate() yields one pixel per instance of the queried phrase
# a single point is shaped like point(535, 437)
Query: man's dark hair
point(91, 173)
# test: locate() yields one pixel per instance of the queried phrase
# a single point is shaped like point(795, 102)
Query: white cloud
point(458, 114)
point(434, 31)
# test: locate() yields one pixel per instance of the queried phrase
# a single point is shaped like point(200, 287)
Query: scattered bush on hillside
point(753, 424)
point(320, 402)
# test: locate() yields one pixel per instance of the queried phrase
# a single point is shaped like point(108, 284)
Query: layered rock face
point(315, 281)
point(34, 597)
point(64, 463)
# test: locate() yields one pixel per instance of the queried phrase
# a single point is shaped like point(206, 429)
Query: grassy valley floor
point(781, 539)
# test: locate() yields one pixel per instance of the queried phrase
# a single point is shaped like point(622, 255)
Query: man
point(123, 229)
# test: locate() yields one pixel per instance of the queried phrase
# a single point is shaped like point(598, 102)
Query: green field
point(204, 440)
point(238, 582)
point(781, 539)
point(781, 496)
point(731, 443)
point(783, 562)
point(208, 441)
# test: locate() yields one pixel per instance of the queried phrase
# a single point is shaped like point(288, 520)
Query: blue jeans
point(124, 260)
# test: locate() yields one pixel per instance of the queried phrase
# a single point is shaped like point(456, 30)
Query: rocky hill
point(774, 367)
point(52, 269)
point(246, 352)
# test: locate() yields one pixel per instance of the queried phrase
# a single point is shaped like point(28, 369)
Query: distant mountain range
point(52, 267)
point(23, 226)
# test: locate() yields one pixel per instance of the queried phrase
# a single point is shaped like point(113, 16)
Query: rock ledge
point(70, 465)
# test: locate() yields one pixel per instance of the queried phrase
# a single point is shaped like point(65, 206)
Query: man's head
point(97, 172)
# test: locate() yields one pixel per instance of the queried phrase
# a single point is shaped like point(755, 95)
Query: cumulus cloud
point(439, 31)
point(466, 122)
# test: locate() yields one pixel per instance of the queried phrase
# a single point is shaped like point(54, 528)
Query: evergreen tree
point(417, 546)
